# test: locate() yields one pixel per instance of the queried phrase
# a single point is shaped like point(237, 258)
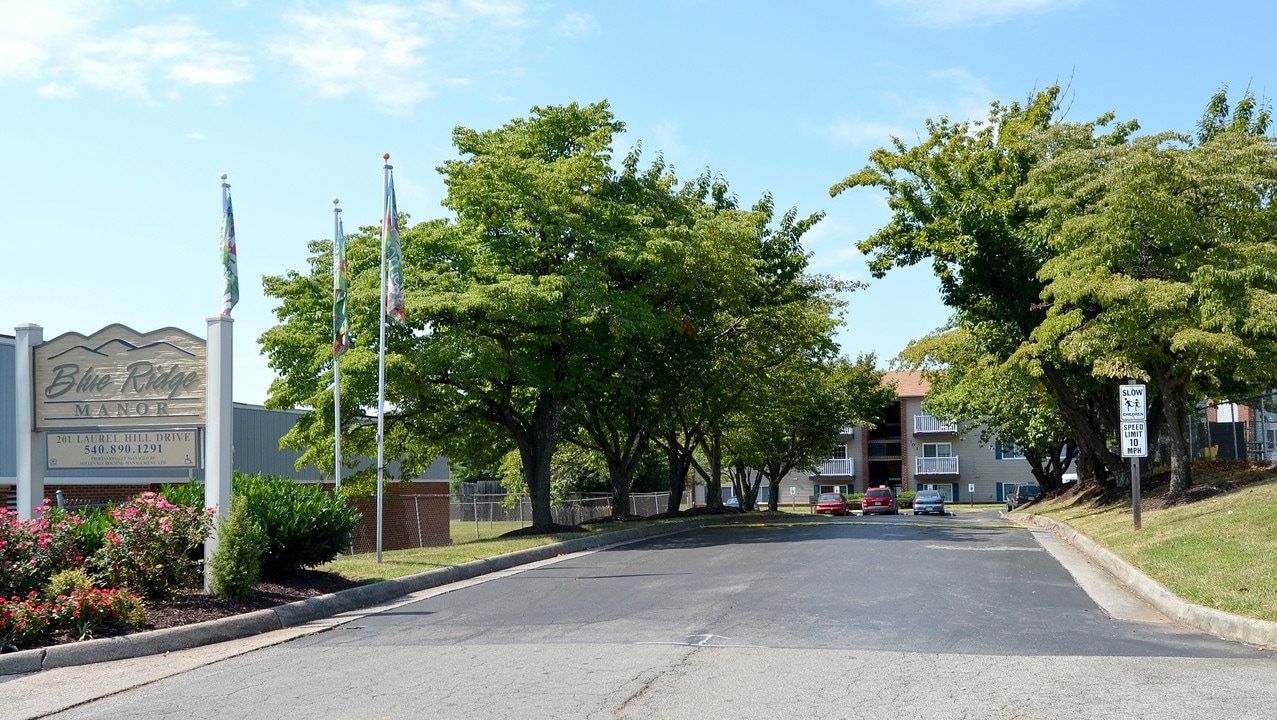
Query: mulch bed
point(193, 606)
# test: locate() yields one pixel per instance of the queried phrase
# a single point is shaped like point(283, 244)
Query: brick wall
point(414, 516)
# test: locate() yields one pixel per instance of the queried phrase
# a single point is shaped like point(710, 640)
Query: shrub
point(67, 582)
point(82, 612)
point(189, 494)
point(905, 499)
point(237, 562)
point(22, 620)
point(304, 525)
point(149, 550)
point(32, 551)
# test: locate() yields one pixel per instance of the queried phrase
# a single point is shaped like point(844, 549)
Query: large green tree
point(507, 301)
point(955, 200)
point(1164, 267)
point(793, 416)
point(700, 256)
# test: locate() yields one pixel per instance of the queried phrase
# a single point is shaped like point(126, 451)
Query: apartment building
point(911, 450)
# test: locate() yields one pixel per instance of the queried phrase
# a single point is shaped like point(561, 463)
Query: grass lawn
point(1216, 551)
point(465, 548)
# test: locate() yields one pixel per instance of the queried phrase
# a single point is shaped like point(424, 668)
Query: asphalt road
point(956, 617)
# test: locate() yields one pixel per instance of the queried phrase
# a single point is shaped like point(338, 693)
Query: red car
point(831, 504)
point(879, 500)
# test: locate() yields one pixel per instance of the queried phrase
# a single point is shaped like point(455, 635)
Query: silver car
point(928, 501)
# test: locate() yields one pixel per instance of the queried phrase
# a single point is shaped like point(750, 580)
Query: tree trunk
point(1173, 390)
point(620, 470)
point(714, 481)
point(680, 462)
point(536, 448)
point(775, 475)
point(1091, 439)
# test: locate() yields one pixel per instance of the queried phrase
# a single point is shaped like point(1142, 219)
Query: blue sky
point(119, 116)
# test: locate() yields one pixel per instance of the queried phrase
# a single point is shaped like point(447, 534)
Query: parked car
point(831, 504)
point(879, 500)
point(1021, 494)
point(928, 501)
point(732, 502)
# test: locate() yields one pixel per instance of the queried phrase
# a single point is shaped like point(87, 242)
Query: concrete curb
point(293, 614)
point(1216, 622)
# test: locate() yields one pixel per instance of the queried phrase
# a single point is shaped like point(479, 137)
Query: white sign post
point(1132, 407)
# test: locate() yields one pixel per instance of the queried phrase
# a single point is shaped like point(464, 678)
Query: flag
point(341, 283)
point(394, 256)
point(230, 264)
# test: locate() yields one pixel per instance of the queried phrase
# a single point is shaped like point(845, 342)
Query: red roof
point(908, 384)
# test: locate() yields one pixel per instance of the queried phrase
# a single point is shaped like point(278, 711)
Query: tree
point(505, 301)
point(793, 416)
point(968, 384)
point(1249, 117)
point(955, 200)
point(699, 256)
point(1164, 267)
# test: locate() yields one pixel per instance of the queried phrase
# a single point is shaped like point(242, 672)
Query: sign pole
point(1132, 407)
point(1135, 491)
point(29, 443)
point(218, 434)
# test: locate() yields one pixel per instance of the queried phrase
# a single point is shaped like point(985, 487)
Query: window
point(838, 453)
point(937, 450)
point(1008, 451)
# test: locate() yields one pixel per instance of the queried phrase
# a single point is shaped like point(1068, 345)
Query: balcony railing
point(936, 466)
point(928, 424)
point(844, 466)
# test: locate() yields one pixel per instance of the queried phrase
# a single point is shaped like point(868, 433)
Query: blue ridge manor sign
point(119, 378)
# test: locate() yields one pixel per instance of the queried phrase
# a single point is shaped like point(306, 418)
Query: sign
point(793, 490)
point(1134, 439)
point(970, 487)
point(119, 378)
point(133, 449)
point(1133, 403)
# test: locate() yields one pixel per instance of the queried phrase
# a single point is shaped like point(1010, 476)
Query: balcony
point(838, 467)
point(936, 466)
point(923, 424)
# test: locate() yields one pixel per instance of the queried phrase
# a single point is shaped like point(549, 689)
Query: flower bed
point(61, 573)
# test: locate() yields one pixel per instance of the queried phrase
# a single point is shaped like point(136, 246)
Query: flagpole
point(336, 356)
point(381, 345)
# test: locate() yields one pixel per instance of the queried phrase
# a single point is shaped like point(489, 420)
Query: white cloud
point(56, 91)
point(372, 47)
point(576, 24)
point(974, 12)
point(64, 44)
point(504, 14)
point(380, 49)
point(194, 136)
point(33, 31)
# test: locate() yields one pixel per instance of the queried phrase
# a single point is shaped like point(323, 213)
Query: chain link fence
point(482, 515)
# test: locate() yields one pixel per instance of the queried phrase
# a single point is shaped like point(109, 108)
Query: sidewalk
point(1260, 633)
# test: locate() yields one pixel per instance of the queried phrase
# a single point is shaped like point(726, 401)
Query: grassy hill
point(1216, 546)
